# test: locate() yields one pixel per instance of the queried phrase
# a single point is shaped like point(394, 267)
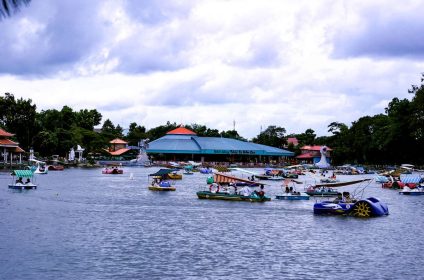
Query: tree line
point(393, 137)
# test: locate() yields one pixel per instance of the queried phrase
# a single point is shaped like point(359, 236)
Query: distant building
point(293, 140)
point(183, 144)
point(312, 154)
point(119, 150)
point(9, 148)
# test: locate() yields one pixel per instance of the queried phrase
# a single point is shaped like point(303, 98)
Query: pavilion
point(183, 144)
point(9, 148)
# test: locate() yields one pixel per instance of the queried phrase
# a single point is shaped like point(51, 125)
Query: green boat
point(231, 197)
point(219, 184)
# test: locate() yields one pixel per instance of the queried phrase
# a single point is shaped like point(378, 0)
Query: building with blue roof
point(184, 144)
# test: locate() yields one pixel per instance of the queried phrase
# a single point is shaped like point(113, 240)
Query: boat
point(38, 167)
point(364, 208)
point(220, 190)
point(188, 170)
point(327, 189)
point(19, 184)
point(174, 175)
point(112, 170)
point(56, 167)
point(321, 191)
point(160, 180)
point(206, 170)
point(419, 190)
point(290, 193)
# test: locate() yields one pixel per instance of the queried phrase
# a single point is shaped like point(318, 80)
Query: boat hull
point(22, 187)
point(162, 189)
point(412, 193)
point(115, 171)
point(230, 197)
point(292, 197)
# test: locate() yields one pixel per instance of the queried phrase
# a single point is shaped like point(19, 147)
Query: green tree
point(271, 136)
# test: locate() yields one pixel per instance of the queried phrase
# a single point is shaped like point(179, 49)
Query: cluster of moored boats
point(226, 186)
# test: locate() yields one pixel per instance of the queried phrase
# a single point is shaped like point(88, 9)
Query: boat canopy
point(224, 178)
point(340, 184)
point(408, 178)
point(22, 173)
point(162, 172)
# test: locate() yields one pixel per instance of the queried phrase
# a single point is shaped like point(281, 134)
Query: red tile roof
point(19, 150)
point(307, 155)
point(119, 152)
point(314, 148)
point(8, 142)
point(4, 133)
point(182, 130)
point(118, 141)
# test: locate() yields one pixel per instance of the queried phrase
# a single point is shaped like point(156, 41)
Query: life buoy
point(211, 187)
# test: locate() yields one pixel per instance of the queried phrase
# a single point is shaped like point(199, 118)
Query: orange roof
point(119, 152)
point(8, 142)
point(118, 141)
point(182, 130)
point(4, 133)
point(18, 150)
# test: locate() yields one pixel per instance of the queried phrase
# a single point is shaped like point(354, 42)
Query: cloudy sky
point(296, 64)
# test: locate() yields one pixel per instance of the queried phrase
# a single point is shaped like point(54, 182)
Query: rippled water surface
point(80, 224)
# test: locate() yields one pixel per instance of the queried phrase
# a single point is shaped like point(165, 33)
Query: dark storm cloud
point(49, 36)
point(397, 35)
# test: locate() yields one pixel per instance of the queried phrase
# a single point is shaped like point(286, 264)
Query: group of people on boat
point(19, 181)
point(245, 191)
point(344, 198)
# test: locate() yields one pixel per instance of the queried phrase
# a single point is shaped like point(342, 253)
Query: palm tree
point(7, 7)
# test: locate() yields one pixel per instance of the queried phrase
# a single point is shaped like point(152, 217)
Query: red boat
point(398, 185)
point(113, 170)
point(56, 167)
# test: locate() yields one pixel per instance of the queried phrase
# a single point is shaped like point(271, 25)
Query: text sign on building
point(239, 152)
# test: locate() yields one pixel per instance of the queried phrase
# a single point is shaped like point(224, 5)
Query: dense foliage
point(397, 136)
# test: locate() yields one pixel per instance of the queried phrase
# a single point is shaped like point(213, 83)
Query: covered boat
point(22, 179)
point(225, 188)
point(160, 181)
point(290, 193)
point(327, 189)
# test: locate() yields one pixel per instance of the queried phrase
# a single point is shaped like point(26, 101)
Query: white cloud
point(210, 62)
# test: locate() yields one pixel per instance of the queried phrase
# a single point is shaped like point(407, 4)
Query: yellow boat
point(160, 182)
point(175, 176)
point(159, 188)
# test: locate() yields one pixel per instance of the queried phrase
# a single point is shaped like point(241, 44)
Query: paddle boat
point(160, 181)
point(206, 170)
point(419, 190)
point(290, 193)
point(220, 190)
point(364, 208)
point(174, 175)
point(19, 184)
point(188, 170)
point(321, 191)
point(38, 167)
point(327, 189)
point(112, 170)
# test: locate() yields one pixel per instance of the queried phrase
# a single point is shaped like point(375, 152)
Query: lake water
point(80, 224)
